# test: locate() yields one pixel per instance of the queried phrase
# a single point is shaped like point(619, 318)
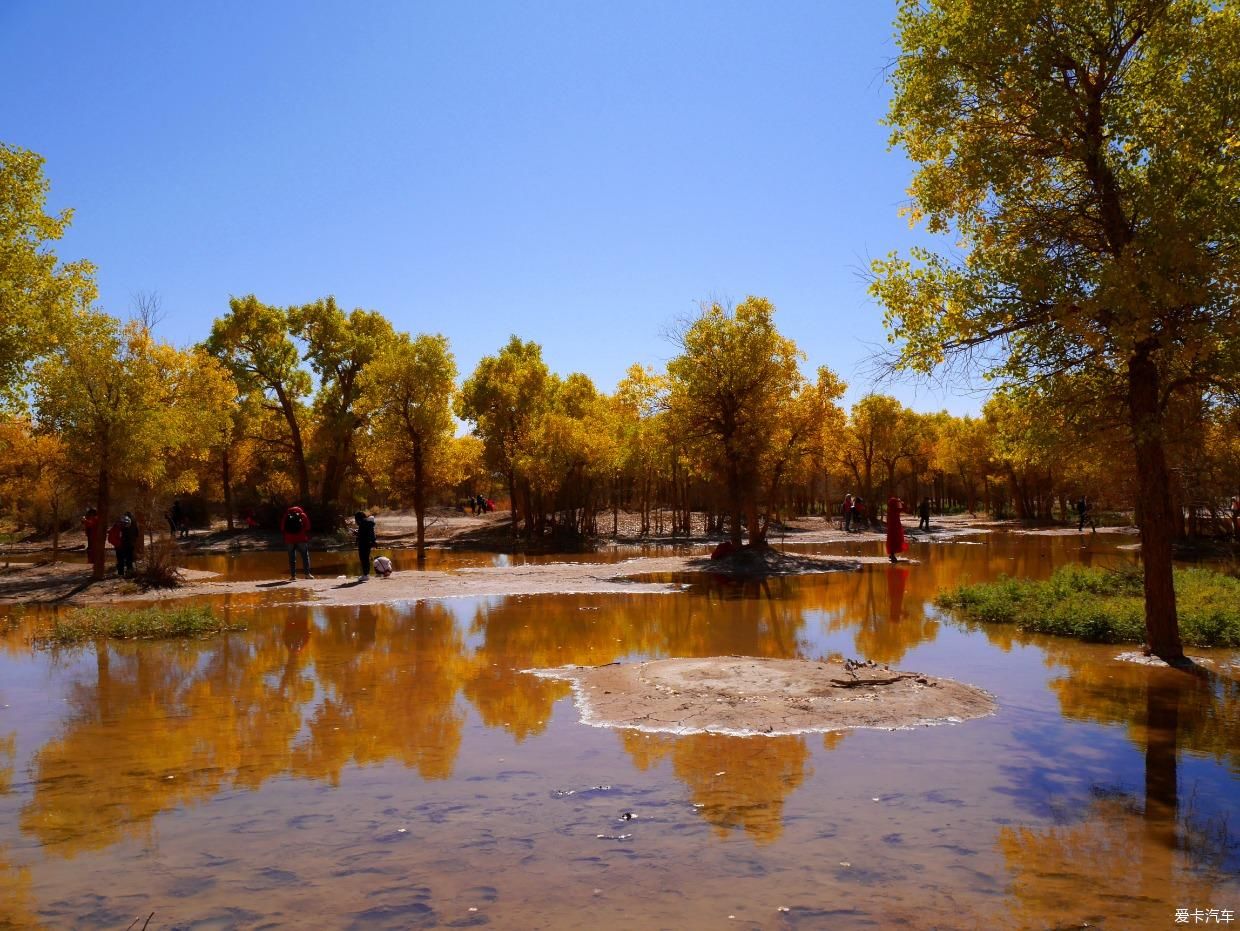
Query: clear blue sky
point(579, 173)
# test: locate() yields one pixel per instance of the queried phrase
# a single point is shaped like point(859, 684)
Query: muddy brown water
point(391, 767)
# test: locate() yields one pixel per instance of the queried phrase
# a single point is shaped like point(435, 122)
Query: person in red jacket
point(896, 543)
point(295, 525)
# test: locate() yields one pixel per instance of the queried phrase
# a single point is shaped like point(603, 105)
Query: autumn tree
point(253, 342)
point(130, 408)
point(339, 346)
point(502, 399)
point(1084, 157)
point(880, 434)
point(37, 291)
point(736, 388)
point(408, 389)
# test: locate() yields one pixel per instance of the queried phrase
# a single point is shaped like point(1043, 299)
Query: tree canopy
point(1086, 158)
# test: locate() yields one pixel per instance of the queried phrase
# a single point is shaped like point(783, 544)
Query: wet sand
point(70, 585)
point(752, 696)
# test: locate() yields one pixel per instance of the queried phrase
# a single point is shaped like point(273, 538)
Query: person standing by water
point(923, 513)
point(295, 525)
point(1083, 515)
point(895, 530)
point(848, 512)
point(365, 540)
point(127, 545)
point(94, 539)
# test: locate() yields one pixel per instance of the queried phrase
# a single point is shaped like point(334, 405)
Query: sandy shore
point(70, 584)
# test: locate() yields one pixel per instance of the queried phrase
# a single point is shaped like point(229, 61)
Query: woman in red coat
point(895, 530)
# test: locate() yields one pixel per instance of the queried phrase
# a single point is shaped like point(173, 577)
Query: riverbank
point(1102, 606)
point(70, 584)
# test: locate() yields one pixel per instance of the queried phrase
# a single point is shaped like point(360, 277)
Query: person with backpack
point(365, 540)
point(295, 525)
point(114, 541)
point(126, 545)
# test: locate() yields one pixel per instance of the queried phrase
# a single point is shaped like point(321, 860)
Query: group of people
point(124, 535)
point(854, 513)
point(295, 526)
point(479, 504)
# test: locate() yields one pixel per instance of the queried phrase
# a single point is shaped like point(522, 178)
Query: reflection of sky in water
point(299, 749)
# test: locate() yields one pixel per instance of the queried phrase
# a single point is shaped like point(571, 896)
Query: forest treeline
point(337, 410)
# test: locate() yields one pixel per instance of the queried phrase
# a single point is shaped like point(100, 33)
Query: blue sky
point(579, 173)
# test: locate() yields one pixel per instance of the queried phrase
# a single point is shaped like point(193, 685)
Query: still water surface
point(391, 766)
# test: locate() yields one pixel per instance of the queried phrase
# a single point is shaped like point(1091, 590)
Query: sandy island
point(745, 695)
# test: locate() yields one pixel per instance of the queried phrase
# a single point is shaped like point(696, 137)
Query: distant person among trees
point(90, 527)
point(1235, 516)
point(365, 540)
point(1084, 516)
point(923, 513)
point(896, 543)
point(180, 519)
point(847, 513)
point(858, 514)
point(295, 525)
point(177, 521)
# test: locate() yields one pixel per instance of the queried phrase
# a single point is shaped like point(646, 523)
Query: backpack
point(293, 522)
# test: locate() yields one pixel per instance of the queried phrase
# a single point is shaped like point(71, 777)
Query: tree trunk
point(299, 452)
point(512, 500)
point(1155, 519)
point(103, 501)
point(419, 499)
point(226, 480)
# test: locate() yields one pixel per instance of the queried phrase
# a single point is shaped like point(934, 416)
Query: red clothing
point(895, 530)
point(300, 536)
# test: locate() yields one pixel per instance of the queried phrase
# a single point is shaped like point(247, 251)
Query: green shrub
point(144, 624)
point(1102, 605)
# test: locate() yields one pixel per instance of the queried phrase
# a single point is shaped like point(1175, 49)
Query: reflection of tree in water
point(8, 753)
point(17, 908)
point(584, 630)
point(734, 782)
point(888, 619)
point(1132, 859)
point(158, 728)
point(385, 698)
point(153, 727)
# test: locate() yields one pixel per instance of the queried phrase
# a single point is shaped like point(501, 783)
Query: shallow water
point(390, 766)
point(269, 564)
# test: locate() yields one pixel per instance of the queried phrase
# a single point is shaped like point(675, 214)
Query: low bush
point(1102, 605)
point(160, 566)
point(143, 624)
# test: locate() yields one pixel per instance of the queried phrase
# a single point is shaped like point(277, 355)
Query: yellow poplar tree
point(1085, 158)
point(408, 389)
point(125, 404)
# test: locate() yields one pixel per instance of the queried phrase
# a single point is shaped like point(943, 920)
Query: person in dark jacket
point(295, 525)
point(923, 514)
point(365, 540)
point(1083, 515)
point(127, 546)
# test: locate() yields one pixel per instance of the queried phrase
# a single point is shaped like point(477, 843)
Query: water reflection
point(432, 695)
point(736, 783)
point(1140, 855)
